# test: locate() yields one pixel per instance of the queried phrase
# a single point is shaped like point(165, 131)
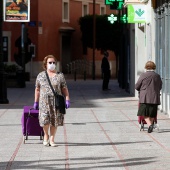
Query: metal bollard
point(75, 75)
point(84, 75)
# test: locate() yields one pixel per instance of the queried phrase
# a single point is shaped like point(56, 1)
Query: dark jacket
point(149, 85)
point(105, 65)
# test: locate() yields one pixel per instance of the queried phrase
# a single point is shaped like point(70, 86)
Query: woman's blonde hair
point(150, 65)
point(44, 64)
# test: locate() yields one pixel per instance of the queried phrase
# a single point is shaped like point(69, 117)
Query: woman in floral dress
point(44, 98)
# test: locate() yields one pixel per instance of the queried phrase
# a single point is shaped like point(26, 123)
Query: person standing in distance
point(105, 67)
point(44, 98)
point(149, 85)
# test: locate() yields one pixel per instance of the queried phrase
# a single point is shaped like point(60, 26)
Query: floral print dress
point(47, 112)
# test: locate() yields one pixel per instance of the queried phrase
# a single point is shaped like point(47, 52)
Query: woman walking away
point(149, 85)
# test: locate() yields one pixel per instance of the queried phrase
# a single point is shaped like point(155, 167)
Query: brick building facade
point(54, 29)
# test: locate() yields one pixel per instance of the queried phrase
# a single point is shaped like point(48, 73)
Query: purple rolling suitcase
point(30, 123)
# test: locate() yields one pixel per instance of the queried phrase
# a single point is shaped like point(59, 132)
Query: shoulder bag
point(59, 99)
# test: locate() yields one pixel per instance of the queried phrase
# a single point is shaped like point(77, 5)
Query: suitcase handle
point(29, 113)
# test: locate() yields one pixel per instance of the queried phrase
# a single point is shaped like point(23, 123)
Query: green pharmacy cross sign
point(123, 18)
point(112, 18)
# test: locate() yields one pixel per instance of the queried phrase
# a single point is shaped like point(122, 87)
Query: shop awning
point(66, 29)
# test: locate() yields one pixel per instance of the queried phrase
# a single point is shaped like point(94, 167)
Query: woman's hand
point(36, 105)
point(67, 104)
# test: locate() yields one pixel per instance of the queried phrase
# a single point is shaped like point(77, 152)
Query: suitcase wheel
point(26, 137)
point(141, 126)
point(23, 139)
point(41, 136)
point(156, 126)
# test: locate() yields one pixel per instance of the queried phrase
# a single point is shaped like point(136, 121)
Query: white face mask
point(51, 67)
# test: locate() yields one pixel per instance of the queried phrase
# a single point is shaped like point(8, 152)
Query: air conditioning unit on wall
point(132, 1)
point(144, 1)
point(135, 2)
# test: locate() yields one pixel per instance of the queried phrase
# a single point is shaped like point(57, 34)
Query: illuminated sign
point(107, 2)
point(112, 18)
point(123, 19)
point(136, 13)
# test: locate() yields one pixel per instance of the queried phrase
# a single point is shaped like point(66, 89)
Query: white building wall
point(151, 41)
point(143, 47)
point(140, 51)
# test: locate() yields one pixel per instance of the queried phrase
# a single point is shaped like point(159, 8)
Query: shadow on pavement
point(92, 163)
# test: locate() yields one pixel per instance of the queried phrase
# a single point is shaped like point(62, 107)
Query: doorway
point(66, 52)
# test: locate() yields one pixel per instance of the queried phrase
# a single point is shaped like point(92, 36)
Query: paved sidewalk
point(101, 132)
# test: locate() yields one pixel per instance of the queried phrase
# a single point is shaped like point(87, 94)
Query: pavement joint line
point(113, 146)
point(66, 149)
point(3, 113)
point(154, 139)
point(155, 157)
point(8, 167)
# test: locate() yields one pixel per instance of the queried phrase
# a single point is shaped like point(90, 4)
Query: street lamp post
point(94, 38)
point(3, 88)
